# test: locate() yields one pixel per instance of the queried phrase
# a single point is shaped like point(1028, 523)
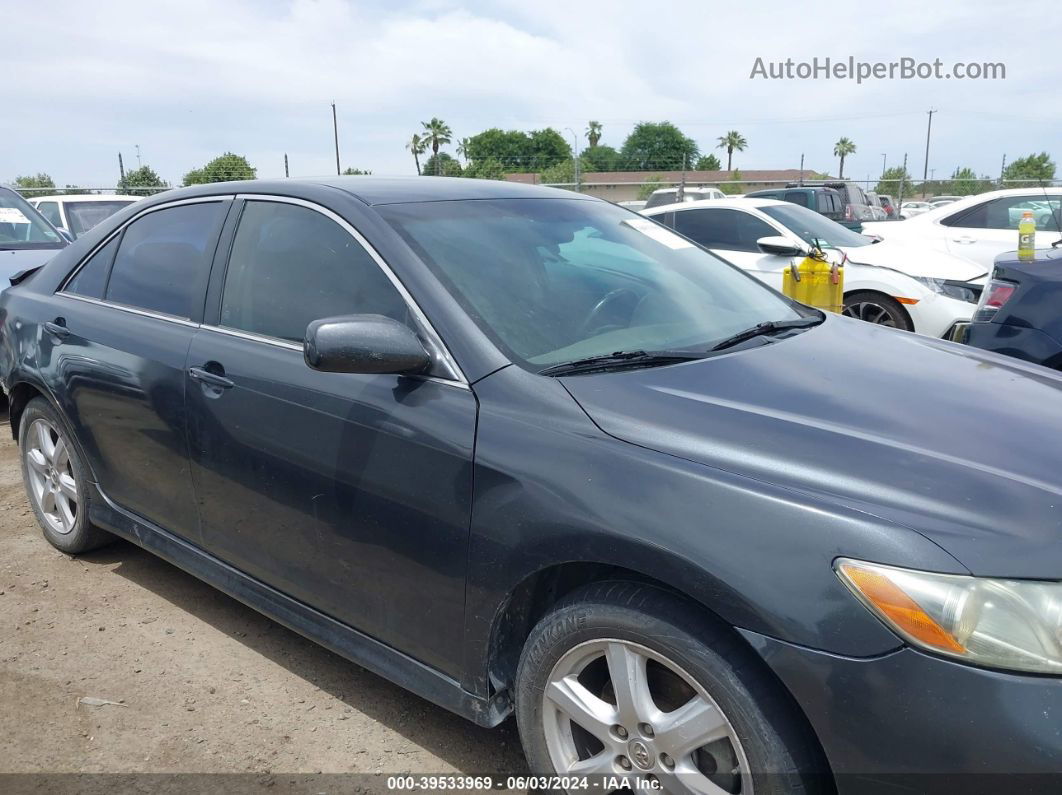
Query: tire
point(877, 308)
point(56, 480)
point(692, 664)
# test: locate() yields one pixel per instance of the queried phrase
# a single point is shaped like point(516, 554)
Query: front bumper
point(908, 721)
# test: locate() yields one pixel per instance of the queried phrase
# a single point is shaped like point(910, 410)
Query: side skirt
point(345, 641)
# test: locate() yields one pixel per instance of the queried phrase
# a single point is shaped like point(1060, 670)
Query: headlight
point(1012, 624)
point(960, 291)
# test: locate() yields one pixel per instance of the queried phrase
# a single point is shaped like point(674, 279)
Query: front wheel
point(628, 684)
point(877, 308)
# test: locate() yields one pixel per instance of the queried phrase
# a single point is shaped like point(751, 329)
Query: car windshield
point(811, 227)
point(22, 227)
point(82, 216)
point(557, 280)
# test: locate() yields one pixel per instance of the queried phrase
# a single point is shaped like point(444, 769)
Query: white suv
point(980, 227)
point(78, 213)
point(670, 195)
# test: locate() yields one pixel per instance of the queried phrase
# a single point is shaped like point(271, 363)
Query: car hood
point(915, 261)
point(955, 443)
point(12, 262)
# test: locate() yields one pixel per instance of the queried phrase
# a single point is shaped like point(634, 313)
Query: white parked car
point(79, 213)
point(664, 196)
point(980, 227)
point(885, 283)
point(911, 209)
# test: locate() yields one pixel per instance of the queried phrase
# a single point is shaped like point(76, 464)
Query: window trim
point(435, 343)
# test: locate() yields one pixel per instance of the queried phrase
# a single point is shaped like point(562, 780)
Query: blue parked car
point(1020, 312)
point(524, 451)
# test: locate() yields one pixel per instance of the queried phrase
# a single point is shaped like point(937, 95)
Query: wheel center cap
point(641, 754)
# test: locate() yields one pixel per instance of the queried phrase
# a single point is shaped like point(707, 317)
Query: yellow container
point(1027, 236)
point(815, 282)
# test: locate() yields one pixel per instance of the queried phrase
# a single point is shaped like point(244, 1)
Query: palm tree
point(842, 149)
point(436, 133)
point(462, 149)
point(593, 133)
point(417, 146)
point(731, 142)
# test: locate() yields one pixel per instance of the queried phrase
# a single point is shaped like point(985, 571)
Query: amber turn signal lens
point(899, 608)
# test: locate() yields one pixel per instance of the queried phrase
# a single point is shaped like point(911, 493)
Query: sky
point(191, 79)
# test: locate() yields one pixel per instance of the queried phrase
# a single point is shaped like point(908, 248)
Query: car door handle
point(209, 378)
point(964, 240)
point(57, 329)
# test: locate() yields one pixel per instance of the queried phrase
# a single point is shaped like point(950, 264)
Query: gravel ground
point(203, 683)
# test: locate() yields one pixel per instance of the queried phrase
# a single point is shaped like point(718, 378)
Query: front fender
point(550, 488)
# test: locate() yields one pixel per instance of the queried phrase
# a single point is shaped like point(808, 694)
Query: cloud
point(188, 80)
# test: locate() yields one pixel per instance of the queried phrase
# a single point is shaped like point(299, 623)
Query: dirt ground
point(204, 684)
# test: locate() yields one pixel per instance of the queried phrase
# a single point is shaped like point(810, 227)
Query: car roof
point(740, 204)
point(374, 190)
point(87, 197)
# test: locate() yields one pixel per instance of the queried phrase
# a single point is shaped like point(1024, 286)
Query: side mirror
point(363, 344)
point(782, 246)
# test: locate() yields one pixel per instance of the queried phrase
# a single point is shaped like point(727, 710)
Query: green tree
point(657, 145)
point(842, 149)
point(651, 184)
point(442, 165)
point(417, 146)
point(436, 133)
point(225, 168)
point(709, 163)
point(349, 172)
point(965, 182)
point(1039, 168)
point(547, 148)
point(462, 149)
point(141, 181)
point(599, 158)
point(485, 169)
point(732, 142)
point(511, 148)
point(25, 185)
point(593, 133)
point(560, 174)
point(890, 182)
point(733, 187)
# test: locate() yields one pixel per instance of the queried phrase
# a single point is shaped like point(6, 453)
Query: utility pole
point(801, 180)
point(1002, 170)
point(335, 133)
point(925, 167)
point(903, 179)
point(883, 157)
point(137, 155)
point(121, 168)
point(286, 174)
point(575, 159)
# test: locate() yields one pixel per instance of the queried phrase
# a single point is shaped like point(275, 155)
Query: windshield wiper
point(762, 329)
point(621, 360)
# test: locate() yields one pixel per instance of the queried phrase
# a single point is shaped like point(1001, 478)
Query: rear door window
point(797, 197)
point(164, 259)
point(91, 278)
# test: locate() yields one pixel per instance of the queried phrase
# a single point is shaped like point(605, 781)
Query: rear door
point(117, 356)
point(351, 493)
point(732, 234)
point(989, 228)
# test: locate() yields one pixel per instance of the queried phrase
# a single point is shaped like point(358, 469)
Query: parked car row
point(524, 451)
point(885, 283)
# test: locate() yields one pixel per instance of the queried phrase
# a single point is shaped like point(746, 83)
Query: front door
point(732, 234)
point(351, 493)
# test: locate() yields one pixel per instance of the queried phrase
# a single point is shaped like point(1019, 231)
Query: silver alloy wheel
point(619, 709)
point(870, 312)
point(51, 476)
